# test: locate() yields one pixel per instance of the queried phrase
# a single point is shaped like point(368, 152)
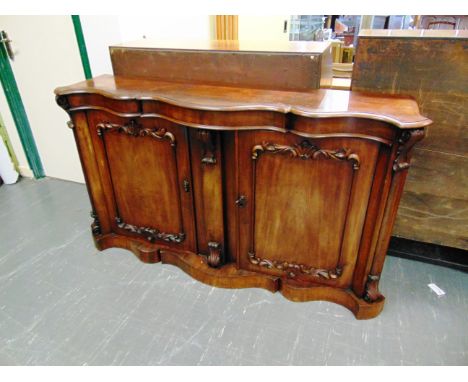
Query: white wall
point(267, 28)
point(47, 56)
point(14, 137)
point(102, 31)
point(165, 26)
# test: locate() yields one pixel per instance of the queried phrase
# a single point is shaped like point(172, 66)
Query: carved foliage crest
point(407, 140)
point(305, 150)
point(136, 130)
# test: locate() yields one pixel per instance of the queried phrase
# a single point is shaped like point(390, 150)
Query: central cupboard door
point(302, 204)
point(144, 165)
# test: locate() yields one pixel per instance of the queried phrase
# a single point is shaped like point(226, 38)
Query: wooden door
point(145, 171)
point(302, 204)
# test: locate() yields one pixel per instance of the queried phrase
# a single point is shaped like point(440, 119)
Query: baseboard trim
point(25, 171)
point(454, 258)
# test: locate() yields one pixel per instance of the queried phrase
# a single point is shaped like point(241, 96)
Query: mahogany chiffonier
point(291, 191)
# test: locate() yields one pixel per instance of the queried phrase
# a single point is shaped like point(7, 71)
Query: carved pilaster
point(305, 150)
point(215, 254)
point(372, 293)
point(95, 225)
point(62, 101)
point(407, 140)
point(209, 146)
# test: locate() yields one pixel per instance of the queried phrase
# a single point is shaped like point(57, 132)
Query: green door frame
point(18, 112)
point(16, 105)
point(82, 46)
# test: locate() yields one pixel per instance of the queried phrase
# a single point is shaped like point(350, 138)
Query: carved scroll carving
point(405, 143)
point(62, 101)
point(208, 140)
point(151, 234)
point(136, 130)
point(372, 293)
point(95, 225)
point(305, 150)
point(293, 269)
point(215, 254)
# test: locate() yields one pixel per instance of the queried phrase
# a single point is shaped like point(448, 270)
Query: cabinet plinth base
point(361, 309)
point(145, 252)
point(228, 276)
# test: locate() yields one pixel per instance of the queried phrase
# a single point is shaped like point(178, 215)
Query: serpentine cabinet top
point(400, 111)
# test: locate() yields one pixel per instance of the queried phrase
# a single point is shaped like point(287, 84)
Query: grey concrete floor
point(64, 303)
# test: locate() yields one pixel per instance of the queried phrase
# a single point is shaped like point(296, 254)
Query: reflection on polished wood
point(401, 111)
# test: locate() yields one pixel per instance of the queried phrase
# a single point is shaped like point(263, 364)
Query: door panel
point(306, 202)
point(308, 208)
point(150, 197)
point(145, 170)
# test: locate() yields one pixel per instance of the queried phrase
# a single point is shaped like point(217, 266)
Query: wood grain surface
point(285, 65)
point(433, 68)
point(401, 111)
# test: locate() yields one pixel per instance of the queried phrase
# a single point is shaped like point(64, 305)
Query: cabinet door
point(146, 177)
point(302, 204)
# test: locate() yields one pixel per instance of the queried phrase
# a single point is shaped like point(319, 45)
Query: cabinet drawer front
point(145, 171)
point(305, 205)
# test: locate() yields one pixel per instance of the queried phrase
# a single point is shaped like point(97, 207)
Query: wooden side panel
point(102, 223)
point(374, 215)
point(282, 71)
point(437, 208)
point(434, 72)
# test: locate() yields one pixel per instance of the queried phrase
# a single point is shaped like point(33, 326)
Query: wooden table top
point(398, 110)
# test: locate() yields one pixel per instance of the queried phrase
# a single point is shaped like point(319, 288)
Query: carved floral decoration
point(151, 234)
point(136, 130)
point(292, 269)
point(305, 150)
